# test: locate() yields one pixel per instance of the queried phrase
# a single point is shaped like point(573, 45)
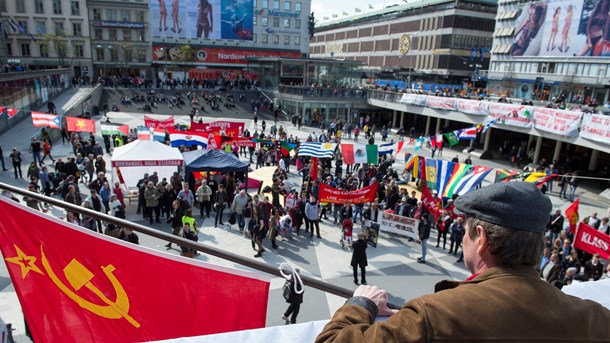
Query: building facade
point(46, 33)
point(431, 41)
point(545, 48)
point(120, 37)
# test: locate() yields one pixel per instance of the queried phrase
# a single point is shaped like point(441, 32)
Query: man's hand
point(378, 296)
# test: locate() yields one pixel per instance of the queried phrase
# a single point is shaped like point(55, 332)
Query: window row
point(570, 69)
point(119, 34)
point(275, 22)
point(112, 14)
point(275, 5)
point(275, 39)
point(62, 49)
point(39, 6)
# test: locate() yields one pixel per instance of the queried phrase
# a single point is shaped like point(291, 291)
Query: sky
point(326, 8)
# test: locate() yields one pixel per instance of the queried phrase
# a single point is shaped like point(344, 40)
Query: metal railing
point(324, 92)
point(260, 266)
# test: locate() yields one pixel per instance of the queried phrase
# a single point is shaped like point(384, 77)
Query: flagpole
point(223, 254)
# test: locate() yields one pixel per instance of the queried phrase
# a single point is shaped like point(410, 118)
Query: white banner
point(477, 107)
point(441, 103)
point(596, 127)
point(509, 114)
point(394, 223)
point(414, 99)
point(560, 122)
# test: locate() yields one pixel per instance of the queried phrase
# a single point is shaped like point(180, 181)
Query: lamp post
point(99, 46)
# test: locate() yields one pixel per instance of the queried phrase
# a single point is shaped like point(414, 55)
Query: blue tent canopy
point(211, 160)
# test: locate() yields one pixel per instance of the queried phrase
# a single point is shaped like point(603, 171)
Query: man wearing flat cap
point(503, 300)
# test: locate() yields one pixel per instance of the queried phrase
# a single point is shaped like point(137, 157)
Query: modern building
point(46, 33)
point(220, 39)
point(120, 37)
point(435, 41)
point(544, 48)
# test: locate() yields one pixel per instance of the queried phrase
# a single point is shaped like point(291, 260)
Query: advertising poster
point(209, 19)
point(216, 55)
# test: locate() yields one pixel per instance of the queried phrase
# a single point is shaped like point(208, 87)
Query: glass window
point(127, 35)
point(20, 6)
point(75, 8)
point(114, 54)
point(140, 16)
point(25, 49)
point(286, 40)
point(59, 28)
point(276, 22)
point(97, 14)
point(77, 30)
point(254, 19)
point(44, 50)
point(79, 51)
point(100, 53)
point(297, 23)
point(265, 39)
point(276, 4)
point(265, 3)
point(297, 7)
point(41, 27)
point(111, 14)
point(9, 46)
point(56, 6)
point(112, 34)
point(38, 6)
point(297, 40)
point(276, 39)
point(265, 21)
point(286, 22)
point(125, 15)
point(287, 5)
point(97, 34)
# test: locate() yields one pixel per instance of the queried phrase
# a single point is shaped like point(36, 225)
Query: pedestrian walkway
point(392, 264)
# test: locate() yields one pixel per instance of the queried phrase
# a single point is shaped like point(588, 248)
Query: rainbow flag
point(505, 175)
point(409, 159)
point(443, 169)
point(457, 173)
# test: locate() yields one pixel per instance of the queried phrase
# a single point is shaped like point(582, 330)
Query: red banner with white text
point(225, 128)
point(159, 124)
point(592, 241)
point(332, 195)
point(76, 285)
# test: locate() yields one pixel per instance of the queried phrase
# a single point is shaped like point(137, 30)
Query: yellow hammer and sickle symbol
point(78, 276)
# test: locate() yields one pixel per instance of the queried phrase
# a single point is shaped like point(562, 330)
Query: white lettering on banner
point(509, 114)
point(394, 223)
point(560, 122)
point(595, 127)
point(594, 241)
point(473, 106)
point(441, 103)
point(156, 163)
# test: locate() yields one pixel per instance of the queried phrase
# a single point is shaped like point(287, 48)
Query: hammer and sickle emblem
point(79, 276)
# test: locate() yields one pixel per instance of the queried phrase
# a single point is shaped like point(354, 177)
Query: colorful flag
point(505, 175)
point(426, 197)
point(418, 169)
point(430, 172)
point(488, 124)
point(443, 174)
point(158, 135)
point(313, 173)
point(452, 138)
point(144, 133)
point(80, 124)
point(591, 240)
point(436, 141)
point(9, 112)
point(360, 153)
point(543, 180)
point(468, 134)
point(572, 214)
point(286, 148)
point(316, 149)
point(409, 159)
point(46, 120)
point(188, 138)
point(111, 130)
point(399, 147)
point(385, 148)
point(101, 289)
point(419, 143)
point(474, 177)
point(458, 172)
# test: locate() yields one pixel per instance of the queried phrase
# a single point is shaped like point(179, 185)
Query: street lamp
point(99, 46)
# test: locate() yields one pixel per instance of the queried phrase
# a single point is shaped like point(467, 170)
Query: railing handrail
point(266, 268)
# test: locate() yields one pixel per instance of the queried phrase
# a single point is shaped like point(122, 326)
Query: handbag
point(232, 219)
point(287, 290)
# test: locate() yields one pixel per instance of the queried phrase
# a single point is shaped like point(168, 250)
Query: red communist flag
point(572, 215)
point(80, 124)
point(75, 285)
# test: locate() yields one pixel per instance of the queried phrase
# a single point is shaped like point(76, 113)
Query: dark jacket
point(359, 254)
point(424, 229)
point(456, 312)
point(294, 297)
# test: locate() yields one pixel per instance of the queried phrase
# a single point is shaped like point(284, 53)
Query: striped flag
point(418, 171)
point(110, 129)
point(45, 119)
point(144, 133)
point(443, 174)
point(409, 159)
point(505, 175)
point(360, 153)
point(385, 148)
point(316, 149)
point(188, 138)
point(468, 134)
point(159, 135)
point(458, 172)
point(474, 177)
point(419, 143)
point(430, 172)
point(9, 112)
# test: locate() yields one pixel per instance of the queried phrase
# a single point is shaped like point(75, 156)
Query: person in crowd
point(359, 259)
point(220, 202)
point(312, 208)
point(128, 235)
point(593, 269)
point(118, 208)
point(257, 231)
point(204, 194)
point(423, 230)
point(551, 271)
point(187, 195)
point(16, 159)
point(274, 227)
point(175, 220)
point(152, 196)
point(457, 233)
point(238, 206)
point(504, 225)
point(296, 298)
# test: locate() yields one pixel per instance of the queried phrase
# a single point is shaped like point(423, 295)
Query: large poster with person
point(562, 28)
point(211, 19)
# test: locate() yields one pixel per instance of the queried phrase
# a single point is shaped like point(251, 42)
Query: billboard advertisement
point(563, 28)
point(212, 19)
point(217, 55)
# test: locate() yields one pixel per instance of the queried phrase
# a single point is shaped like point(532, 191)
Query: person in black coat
point(424, 233)
point(295, 300)
point(359, 259)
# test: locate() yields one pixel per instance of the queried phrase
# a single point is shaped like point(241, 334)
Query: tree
point(59, 45)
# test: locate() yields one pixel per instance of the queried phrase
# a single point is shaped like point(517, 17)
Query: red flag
point(100, 289)
point(572, 215)
point(313, 173)
point(399, 147)
point(593, 241)
point(426, 197)
point(80, 124)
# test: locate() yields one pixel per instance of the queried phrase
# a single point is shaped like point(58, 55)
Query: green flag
point(452, 138)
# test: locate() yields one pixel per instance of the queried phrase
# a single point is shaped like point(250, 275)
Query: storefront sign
point(284, 14)
point(119, 24)
point(596, 127)
point(560, 122)
point(217, 55)
point(390, 222)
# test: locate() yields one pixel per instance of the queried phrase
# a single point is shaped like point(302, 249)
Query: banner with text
point(596, 127)
point(159, 124)
point(332, 195)
point(222, 127)
point(442, 103)
point(414, 99)
point(560, 122)
point(390, 222)
point(173, 54)
point(592, 241)
point(477, 107)
point(510, 114)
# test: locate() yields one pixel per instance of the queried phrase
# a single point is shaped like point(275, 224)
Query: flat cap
point(518, 205)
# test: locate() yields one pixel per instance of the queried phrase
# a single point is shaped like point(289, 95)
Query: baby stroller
point(346, 233)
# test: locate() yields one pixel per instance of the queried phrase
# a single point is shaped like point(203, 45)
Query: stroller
point(346, 233)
